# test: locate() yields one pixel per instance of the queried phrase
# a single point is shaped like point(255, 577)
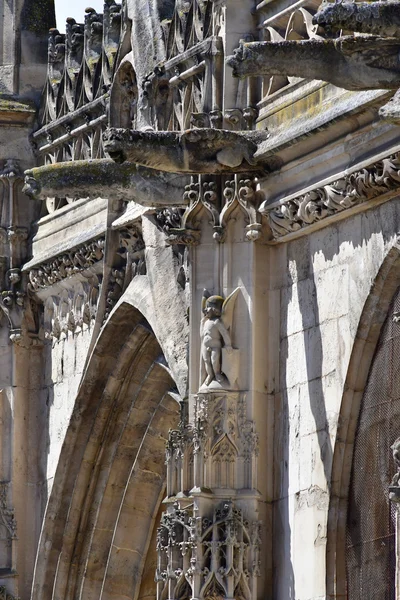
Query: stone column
point(214, 535)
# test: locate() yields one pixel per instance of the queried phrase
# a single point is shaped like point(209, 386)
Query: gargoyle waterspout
point(354, 63)
point(104, 178)
point(379, 18)
point(193, 151)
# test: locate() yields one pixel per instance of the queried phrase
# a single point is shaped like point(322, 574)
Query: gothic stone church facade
point(200, 305)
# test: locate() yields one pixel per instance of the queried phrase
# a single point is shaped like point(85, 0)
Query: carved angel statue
point(215, 335)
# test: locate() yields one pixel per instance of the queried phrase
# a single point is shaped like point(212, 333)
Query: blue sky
point(75, 9)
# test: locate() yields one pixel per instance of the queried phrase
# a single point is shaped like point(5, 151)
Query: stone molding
point(343, 193)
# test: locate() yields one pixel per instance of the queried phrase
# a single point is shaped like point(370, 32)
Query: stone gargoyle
point(378, 18)
point(107, 179)
point(357, 63)
point(193, 151)
point(364, 62)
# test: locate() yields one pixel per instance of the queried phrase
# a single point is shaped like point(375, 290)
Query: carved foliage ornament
point(65, 265)
point(344, 193)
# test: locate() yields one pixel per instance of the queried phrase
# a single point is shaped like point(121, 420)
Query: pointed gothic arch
point(110, 478)
point(367, 338)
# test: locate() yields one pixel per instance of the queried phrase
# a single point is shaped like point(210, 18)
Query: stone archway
point(110, 478)
point(372, 319)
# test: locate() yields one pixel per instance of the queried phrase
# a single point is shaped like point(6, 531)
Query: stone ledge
point(17, 114)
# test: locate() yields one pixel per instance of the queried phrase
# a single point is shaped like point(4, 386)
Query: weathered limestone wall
point(320, 283)
point(64, 364)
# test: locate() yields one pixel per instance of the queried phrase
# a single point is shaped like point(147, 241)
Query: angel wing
point(206, 294)
point(228, 308)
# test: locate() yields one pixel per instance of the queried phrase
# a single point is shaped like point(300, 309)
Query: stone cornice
point(336, 198)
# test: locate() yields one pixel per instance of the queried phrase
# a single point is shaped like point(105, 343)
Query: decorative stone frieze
point(331, 199)
point(67, 264)
point(73, 306)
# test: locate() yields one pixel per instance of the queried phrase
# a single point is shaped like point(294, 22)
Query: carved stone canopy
point(357, 63)
point(193, 151)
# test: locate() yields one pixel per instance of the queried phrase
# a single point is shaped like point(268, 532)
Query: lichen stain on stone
point(38, 16)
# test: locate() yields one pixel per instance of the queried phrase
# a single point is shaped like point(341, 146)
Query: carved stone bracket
point(333, 198)
point(13, 300)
